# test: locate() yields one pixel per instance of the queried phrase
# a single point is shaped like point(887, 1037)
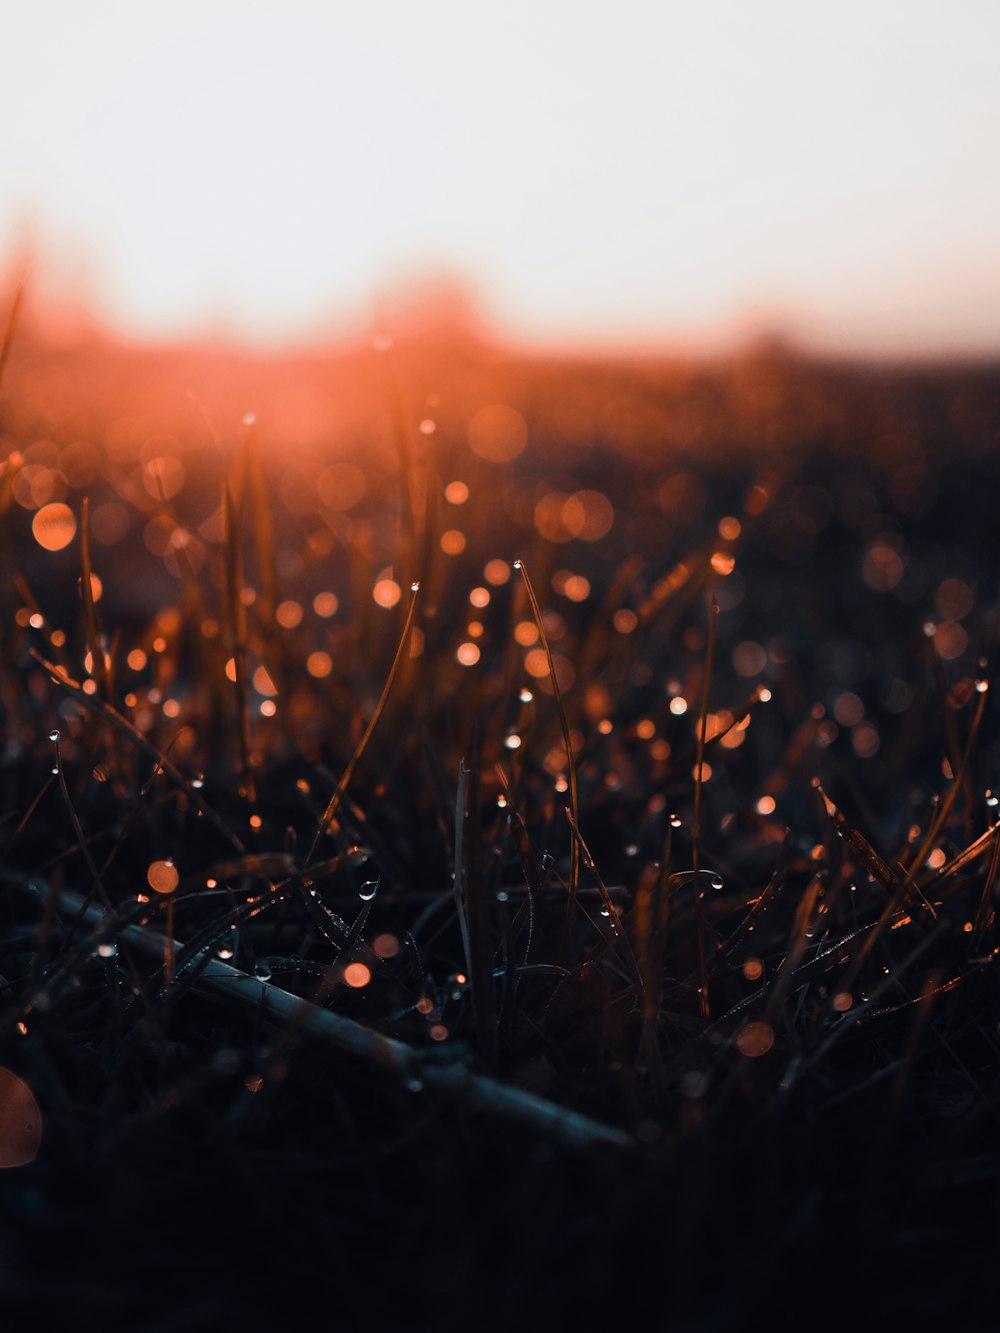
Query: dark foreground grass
point(607, 939)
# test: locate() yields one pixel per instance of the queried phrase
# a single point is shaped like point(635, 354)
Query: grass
point(617, 942)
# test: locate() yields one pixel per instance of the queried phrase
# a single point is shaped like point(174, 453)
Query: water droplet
point(502, 896)
point(518, 564)
point(108, 950)
point(513, 742)
point(716, 882)
point(546, 861)
point(992, 801)
point(357, 855)
point(262, 969)
point(368, 890)
point(54, 769)
point(526, 696)
point(982, 686)
point(415, 586)
point(632, 849)
point(675, 821)
point(55, 736)
point(198, 782)
point(605, 910)
point(414, 1085)
point(225, 952)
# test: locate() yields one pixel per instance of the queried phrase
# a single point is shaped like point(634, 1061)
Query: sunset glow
point(596, 177)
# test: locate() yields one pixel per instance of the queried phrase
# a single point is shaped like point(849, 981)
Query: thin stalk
point(713, 618)
point(237, 634)
point(574, 804)
point(333, 805)
point(91, 702)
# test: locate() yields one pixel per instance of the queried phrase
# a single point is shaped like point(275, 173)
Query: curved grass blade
point(334, 803)
point(574, 804)
point(95, 705)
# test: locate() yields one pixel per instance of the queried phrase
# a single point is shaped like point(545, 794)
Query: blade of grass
point(333, 805)
point(263, 524)
point(475, 911)
point(699, 765)
point(98, 663)
point(61, 677)
point(236, 613)
point(609, 909)
point(574, 804)
point(95, 874)
point(10, 329)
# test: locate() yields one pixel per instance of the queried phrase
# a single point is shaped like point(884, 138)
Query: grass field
point(492, 839)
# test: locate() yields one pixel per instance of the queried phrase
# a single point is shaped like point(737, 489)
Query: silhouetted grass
point(614, 944)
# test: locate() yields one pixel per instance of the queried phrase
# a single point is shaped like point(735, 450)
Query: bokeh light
point(54, 526)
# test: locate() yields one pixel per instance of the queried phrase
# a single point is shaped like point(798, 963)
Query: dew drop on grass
point(632, 849)
point(716, 882)
point(992, 800)
point(675, 821)
point(262, 969)
point(982, 686)
point(605, 910)
point(198, 782)
point(55, 736)
point(502, 896)
point(368, 890)
point(108, 950)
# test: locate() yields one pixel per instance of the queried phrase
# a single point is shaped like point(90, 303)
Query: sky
point(604, 174)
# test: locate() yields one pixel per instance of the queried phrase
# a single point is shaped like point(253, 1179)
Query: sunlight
point(197, 168)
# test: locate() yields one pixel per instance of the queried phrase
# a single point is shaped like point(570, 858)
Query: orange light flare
point(20, 1120)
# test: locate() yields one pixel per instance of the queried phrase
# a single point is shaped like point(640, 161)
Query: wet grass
point(613, 942)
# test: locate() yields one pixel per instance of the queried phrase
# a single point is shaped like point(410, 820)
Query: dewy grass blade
point(89, 701)
point(477, 917)
point(98, 663)
point(236, 614)
point(574, 803)
point(699, 780)
point(333, 805)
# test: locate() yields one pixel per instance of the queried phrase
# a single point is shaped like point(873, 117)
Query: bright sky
point(597, 171)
